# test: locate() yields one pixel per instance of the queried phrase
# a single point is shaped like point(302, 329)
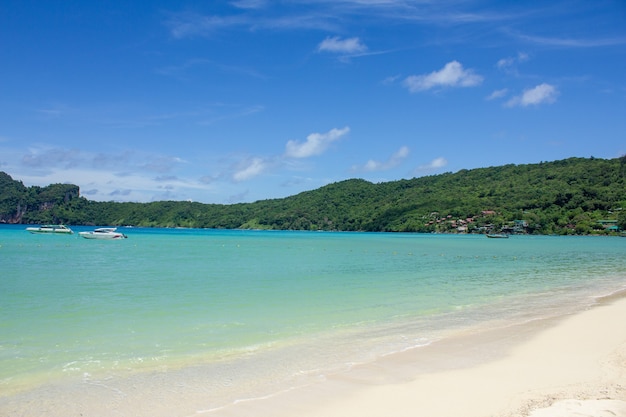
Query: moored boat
point(103, 233)
point(497, 236)
point(50, 229)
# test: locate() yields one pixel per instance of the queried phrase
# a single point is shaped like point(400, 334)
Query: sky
point(245, 100)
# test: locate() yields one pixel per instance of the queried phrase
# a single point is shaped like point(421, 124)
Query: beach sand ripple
point(585, 408)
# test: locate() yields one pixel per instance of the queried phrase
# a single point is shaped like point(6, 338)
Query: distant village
point(475, 224)
point(483, 224)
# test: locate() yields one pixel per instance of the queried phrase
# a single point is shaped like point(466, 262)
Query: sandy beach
point(572, 366)
point(565, 367)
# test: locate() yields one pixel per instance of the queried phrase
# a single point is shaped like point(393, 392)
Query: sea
point(209, 318)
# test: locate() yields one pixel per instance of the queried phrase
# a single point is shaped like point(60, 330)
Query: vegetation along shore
point(571, 196)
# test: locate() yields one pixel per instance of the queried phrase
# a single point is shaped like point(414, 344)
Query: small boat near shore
point(103, 233)
point(50, 229)
point(497, 235)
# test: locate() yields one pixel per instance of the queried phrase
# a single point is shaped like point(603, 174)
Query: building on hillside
point(609, 225)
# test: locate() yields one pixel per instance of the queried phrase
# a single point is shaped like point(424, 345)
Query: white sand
point(586, 408)
point(575, 366)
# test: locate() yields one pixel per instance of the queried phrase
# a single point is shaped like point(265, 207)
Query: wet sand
point(563, 367)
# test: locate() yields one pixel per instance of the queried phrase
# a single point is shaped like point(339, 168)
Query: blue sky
point(245, 100)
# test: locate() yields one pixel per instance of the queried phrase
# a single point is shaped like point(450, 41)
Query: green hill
point(571, 196)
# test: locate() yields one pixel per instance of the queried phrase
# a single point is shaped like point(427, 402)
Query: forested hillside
point(572, 196)
point(19, 203)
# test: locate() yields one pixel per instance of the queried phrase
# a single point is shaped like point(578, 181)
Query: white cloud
point(543, 93)
point(252, 168)
point(498, 94)
point(451, 75)
point(102, 185)
point(390, 80)
point(188, 25)
point(249, 4)
point(432, 165)
point(574, 43)
point(505, 62)
point(393, 161)
point(342, 46)
point(315, 144)
point(508, 62)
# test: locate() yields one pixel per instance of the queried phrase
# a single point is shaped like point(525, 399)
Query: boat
point(497, 236)
point(103, 233)
point(51, 229)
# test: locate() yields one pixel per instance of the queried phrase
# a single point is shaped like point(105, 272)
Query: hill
point(571, 196)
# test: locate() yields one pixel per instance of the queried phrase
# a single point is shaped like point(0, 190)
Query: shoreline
point(573, 365)
point(502, 371)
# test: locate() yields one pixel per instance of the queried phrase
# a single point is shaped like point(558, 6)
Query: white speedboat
point(103, 233)
point(51, 228)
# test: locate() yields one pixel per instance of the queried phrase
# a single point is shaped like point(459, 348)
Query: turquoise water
point(260, 305)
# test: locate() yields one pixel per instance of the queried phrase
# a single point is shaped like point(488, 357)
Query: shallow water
point(237, 314)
